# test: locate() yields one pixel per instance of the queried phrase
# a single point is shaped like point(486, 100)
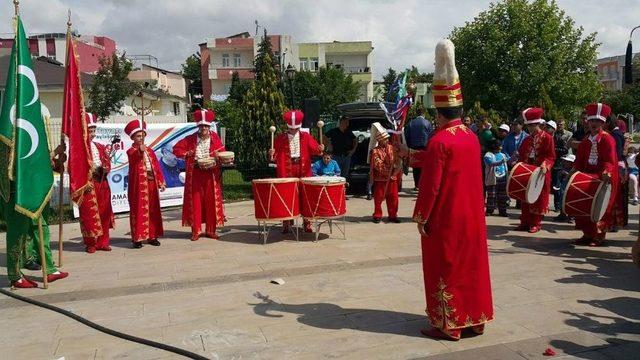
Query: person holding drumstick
point(292, 153)
point(203, 183)
point(537, 149)
point(597, 155)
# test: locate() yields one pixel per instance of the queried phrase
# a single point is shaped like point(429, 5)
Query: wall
point(220, 87)
point(246, 58)
point(205, 62)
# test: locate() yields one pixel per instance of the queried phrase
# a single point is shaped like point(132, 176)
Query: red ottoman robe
point(607, 163)
point(308, 147)
point(145, 217)
point(202, 188)
point(450, 203)
point(96, 214)
point(542, 145)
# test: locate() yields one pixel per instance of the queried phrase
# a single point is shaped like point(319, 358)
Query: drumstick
point(320, 126)
point(273, 130)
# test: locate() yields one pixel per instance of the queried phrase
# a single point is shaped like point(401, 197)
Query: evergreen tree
point(388, 81)
point(263, 106)
point(238, 88)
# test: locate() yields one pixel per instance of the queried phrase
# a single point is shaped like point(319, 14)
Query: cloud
point(404, 33)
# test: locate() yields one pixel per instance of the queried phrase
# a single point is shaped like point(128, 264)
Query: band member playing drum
point(292, 153)
point(538, 150)
point(597, 155)
point(203, 183)
point(145, 179)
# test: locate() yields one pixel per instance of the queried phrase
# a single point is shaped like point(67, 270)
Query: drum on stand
point(525, 183)
point(275, 200)
point(586, 195)
point(323, 199)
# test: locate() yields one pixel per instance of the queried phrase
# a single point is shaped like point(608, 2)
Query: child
point(325, 166)
point(145, 178)
point(384, 176)
point(633, 174)
point(496, 178)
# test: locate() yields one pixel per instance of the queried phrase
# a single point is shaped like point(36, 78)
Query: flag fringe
point(37, 213)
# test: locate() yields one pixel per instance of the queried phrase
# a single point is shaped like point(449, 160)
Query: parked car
point(361, 115)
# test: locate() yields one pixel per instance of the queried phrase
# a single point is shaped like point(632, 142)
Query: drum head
point(323, 180)
point(600, 202)
point(534, 188)
point(274, 180)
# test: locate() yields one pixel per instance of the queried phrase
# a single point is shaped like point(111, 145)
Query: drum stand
point(340, 225)
point(265, 228)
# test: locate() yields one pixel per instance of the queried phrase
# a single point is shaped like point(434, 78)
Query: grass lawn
point(234, 187)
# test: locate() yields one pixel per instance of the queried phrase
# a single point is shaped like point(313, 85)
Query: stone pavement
point(360, 298)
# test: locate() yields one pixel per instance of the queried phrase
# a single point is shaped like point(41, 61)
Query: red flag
point(75, 127)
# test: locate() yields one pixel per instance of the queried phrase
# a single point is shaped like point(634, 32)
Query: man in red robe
point(450, 215)
point(537, 149)
point(96, 215)
point(292, 153)
point(597, 155)
point(145, 179)
point(203, 184)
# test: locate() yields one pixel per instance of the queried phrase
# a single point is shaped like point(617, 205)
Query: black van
point(361, 115)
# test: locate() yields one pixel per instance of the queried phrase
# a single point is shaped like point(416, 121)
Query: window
point(237, 60)
point(225, 60)
point(176, 108)
point(313, 64)
point(303, 64)
point(227, 88)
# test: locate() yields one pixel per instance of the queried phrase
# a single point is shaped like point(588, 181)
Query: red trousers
point(103, 197)
point(589, 228)
point(296, 171)
point(203, 202)
point(391, 196)
point(529, 219)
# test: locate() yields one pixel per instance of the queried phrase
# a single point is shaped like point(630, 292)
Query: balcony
point(227, 73)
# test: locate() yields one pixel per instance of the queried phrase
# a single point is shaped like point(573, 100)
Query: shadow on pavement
point(334, 317)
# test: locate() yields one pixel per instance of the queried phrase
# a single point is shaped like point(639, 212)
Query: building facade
point(611, 71)
point(354, 57)
point(89, 48)
point(166, 94)
point(221, 57)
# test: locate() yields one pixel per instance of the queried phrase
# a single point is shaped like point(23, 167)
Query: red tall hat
point(293, 118)
point(204, 116)
point(447, 91)
point(597, 111)
point(90, 119)
point(533, 116)
point(134, 126)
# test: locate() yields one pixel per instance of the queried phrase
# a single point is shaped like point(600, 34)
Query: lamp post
point(628, 61)
point(290, 72)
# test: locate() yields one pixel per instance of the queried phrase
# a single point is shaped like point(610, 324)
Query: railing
point(354, 69)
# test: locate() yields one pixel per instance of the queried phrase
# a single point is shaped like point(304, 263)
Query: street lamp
point(290, 72)
point(628, 61)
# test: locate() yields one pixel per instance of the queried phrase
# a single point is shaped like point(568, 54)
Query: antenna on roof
point(257, 27)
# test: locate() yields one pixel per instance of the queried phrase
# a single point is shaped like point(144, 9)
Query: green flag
point(23, 133)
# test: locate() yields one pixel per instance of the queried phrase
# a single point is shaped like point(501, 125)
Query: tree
point(332, 86)
point(388, 81)
point(513, 50)
point(417, 77)
point(263, 106)
point(238, 88)
point(191, 70)
point(111, 86)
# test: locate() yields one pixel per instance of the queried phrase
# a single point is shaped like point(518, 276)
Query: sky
point(403, 33)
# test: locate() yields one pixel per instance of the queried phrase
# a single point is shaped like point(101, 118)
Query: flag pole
point(43, 261)
point(61, 184)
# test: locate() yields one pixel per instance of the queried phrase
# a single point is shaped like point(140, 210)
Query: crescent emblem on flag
point(28, 127)
point(28, 73)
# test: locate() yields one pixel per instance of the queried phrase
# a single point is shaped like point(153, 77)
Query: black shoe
point(488, 213)
point(503, 214)
point(368, 196)
point(561, 218)
point(394, 220)
point(376, 220)
point(137, 245)
point(154, 242)
point(32, 265)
